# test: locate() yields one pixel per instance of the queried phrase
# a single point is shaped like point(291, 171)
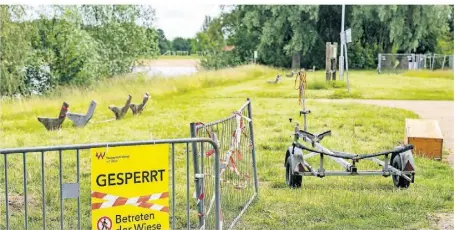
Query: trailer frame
point(398, 162)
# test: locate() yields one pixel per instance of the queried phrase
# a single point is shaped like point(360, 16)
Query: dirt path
point(442, 111)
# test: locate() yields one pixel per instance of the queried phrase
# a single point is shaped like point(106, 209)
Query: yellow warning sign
point(130, 187)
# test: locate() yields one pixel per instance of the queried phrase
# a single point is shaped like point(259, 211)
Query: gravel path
point(442, 111)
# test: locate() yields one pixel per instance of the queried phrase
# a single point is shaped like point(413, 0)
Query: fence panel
point(235, 138)
point(49, 187)
point(394, 63)
point(397, 63)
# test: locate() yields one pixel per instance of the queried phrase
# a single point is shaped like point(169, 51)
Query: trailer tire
point(293, 181)
point(399, 181)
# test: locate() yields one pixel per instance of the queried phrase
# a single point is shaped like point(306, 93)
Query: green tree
point(122, 40)
point(211, 36)
point(15, 48)
point(74, 45)
point(181, 44)
point(445, 42)
point(399, 27)
point(163, 43)
point(283, 33)
point(71, 53)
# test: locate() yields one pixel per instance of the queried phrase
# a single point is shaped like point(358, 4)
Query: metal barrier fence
point(239, 185)
point(174, 53)
point(397, 63)
point(46, 173)
point(393, 63)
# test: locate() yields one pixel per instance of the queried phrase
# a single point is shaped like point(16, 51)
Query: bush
point(338, 84)
point(318, 85)
point(322, 84)
point(73, 56)
point(220, 60)
point(38, 79)
point(77, 47)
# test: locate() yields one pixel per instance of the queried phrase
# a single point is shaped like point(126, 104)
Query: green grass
point(363, 85)
point(329, 203)
point(445, 74)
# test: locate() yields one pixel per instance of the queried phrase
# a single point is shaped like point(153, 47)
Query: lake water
point(167, 71)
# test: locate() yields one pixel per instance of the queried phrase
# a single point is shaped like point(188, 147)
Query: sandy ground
point(442, 221)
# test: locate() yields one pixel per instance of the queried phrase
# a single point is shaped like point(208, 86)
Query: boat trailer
point(398, 162)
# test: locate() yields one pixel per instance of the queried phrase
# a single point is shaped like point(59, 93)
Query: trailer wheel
point(399, 181)
point(294, 181)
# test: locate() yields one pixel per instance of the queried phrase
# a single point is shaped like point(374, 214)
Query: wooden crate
point(426, 137)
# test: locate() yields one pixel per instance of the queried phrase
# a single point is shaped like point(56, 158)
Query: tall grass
point(115, 90)
point(319, 84)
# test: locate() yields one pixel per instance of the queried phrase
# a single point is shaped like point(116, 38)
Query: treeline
point(208, 40)
point(177, 44)
point(71, 45)
point(283, 33)
point(78, 45)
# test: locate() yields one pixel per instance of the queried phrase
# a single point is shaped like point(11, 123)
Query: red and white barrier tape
point(233, 167)
point(229, 160)
point(140, 201)
point(213, 136)
point(200, 198)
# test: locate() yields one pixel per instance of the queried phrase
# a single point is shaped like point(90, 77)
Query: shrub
point(318, 85)
point(338, 84)
point(220, 60)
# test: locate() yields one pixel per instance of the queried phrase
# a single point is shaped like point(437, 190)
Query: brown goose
point(121, 111)
point(55, 123)
point(290, 74)
point(138, 108)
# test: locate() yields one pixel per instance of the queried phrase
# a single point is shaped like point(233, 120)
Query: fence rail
point(396, 63)
point(77, 216)
point(239, 185)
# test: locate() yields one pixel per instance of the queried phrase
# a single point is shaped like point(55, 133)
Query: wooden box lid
point(423, 128)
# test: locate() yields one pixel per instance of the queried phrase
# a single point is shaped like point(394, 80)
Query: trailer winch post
point(304, 123)
point(304, 112)
point(386, 163)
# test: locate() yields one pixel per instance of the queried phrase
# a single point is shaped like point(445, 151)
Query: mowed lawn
point(328, 203)
point(363, 85)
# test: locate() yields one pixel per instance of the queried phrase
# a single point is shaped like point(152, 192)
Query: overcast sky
point(182, 20)
point(175, 19)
